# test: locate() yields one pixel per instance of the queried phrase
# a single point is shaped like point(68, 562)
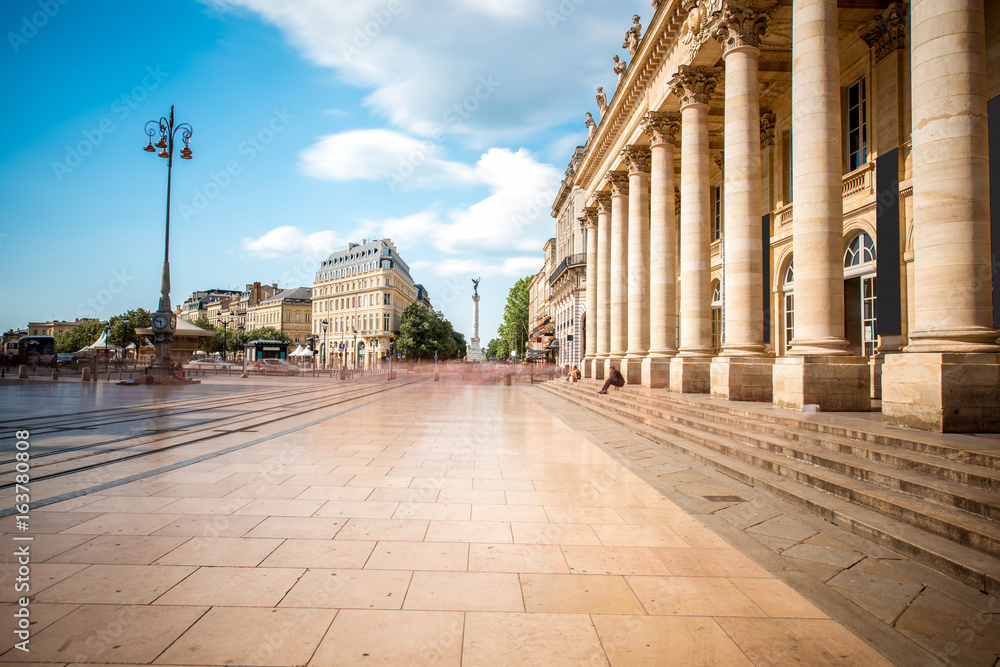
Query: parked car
point(65, 359)
point(275, 367)
point(211, 363)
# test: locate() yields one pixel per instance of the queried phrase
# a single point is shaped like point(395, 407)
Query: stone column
point(661, 128)
point(589, 219)
point(637, 158)
point(602, 200)
point(618, 182)
point(818, 370)
point(948, 379)
point(742, 372)
point(689, 371)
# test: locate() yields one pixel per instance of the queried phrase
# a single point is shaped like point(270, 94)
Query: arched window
point(717, 315)
point(788, 287)
point(861, 250)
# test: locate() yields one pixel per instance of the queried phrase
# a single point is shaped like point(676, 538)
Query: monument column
point(948, 379)
point(590, 223)
point(689, 371)
point(618, 181)
point(603, 329)
point(637, 158)
point(819, 370)
point(661, 128)
point(742, 372)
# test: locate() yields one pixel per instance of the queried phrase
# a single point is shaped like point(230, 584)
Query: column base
point(656, 372)
point(597, 368)
point(631, 369)
point(586, 367)
point(691, 375)
point(942, 392)
point(876, 363)
point(742, 378)
point(834, 383)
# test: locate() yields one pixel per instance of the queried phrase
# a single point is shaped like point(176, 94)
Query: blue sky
point(445, 125)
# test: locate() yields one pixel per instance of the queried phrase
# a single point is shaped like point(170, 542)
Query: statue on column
point(619, 69)
point(632, 36)
point(602, 101)
point(475, 285)
point(475, 352)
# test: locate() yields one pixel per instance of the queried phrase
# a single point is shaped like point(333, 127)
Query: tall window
point(858, 260)
point(789, 291)
point(717, 315)
point(385, 322)
point(861, 250)
point(717, 213)
point(857, 125)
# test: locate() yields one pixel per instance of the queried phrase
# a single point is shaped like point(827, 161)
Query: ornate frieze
point(742, 23)
point(661, 127)
point(887, 32)
point(637, 157)
point(767, 120)
point(695, 85)
point(720, 161)
point(618, 182)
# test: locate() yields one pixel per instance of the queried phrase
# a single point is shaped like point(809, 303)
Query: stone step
point(916, 527)
point(974, 500)
point(981, 451)
point(915, 466)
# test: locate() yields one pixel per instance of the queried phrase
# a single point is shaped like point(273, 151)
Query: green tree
point(424, 333)
point(205, 344)
point(514, 328)
point(123, 328)
point(460, 343)
point(80, 336)
point(497, 349)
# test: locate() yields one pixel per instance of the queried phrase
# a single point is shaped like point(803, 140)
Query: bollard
point(55, 375)
point(119, 376)
point(22, 372)
point(85, 376)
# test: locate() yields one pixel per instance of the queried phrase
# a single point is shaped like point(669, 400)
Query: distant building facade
point(567, 282)
point(360, 294)
point(288, 311)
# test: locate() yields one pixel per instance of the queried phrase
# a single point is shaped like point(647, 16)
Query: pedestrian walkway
point(443, 524)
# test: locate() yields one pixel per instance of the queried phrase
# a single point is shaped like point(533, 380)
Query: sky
point(445, 125)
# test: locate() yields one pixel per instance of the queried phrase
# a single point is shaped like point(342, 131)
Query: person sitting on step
point(615, 379)
point(574, 375)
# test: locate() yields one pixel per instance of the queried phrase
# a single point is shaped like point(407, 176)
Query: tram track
point(227, 402)
point(339, 400)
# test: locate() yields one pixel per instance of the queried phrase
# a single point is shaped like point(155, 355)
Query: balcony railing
point(569, 261)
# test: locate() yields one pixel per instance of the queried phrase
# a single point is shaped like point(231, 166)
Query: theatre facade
point(790, 202)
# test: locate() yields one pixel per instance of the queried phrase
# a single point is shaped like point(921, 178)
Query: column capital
point(661, 127)
point(887, 33)
point(767, 121)
point(741, 23)
point(602, 201)
point(637, 158)
point(618, 182)
point(589, 217)
point(720, 161)
point(695, 85)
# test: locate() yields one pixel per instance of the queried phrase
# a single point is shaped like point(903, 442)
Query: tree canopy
point(424, 333)
point(80, 336)
point(514, 328)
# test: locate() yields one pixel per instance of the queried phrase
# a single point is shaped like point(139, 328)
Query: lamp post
point(355, 331)
point(326, 348)
point(225, 340)
point(125, 340)
point(107, 340)
point(164, 321)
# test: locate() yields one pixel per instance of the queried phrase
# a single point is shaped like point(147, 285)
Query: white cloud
point(289, 240)
point(425, 61)
point(513, 266)
point(382, 155)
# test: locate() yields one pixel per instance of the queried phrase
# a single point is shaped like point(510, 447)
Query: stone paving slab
point(443, 524)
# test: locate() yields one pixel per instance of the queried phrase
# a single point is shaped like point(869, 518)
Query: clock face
point(173, 321)
point(160, 322)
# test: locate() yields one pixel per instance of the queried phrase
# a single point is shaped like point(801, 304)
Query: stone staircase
point(932, 497)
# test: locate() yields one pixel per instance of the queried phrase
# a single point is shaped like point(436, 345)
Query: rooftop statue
point(602, 101)
point(632, 36)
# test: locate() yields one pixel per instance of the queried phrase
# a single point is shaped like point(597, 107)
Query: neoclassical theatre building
point(789, 201)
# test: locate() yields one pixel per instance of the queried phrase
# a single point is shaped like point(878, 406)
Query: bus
point(36, 350)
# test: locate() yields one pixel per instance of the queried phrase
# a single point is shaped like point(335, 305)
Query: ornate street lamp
point(355, 348)
point(225, 341)
point(164, 320)
point(326, 348)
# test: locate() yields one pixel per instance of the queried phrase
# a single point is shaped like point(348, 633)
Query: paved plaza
point(294, 522)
